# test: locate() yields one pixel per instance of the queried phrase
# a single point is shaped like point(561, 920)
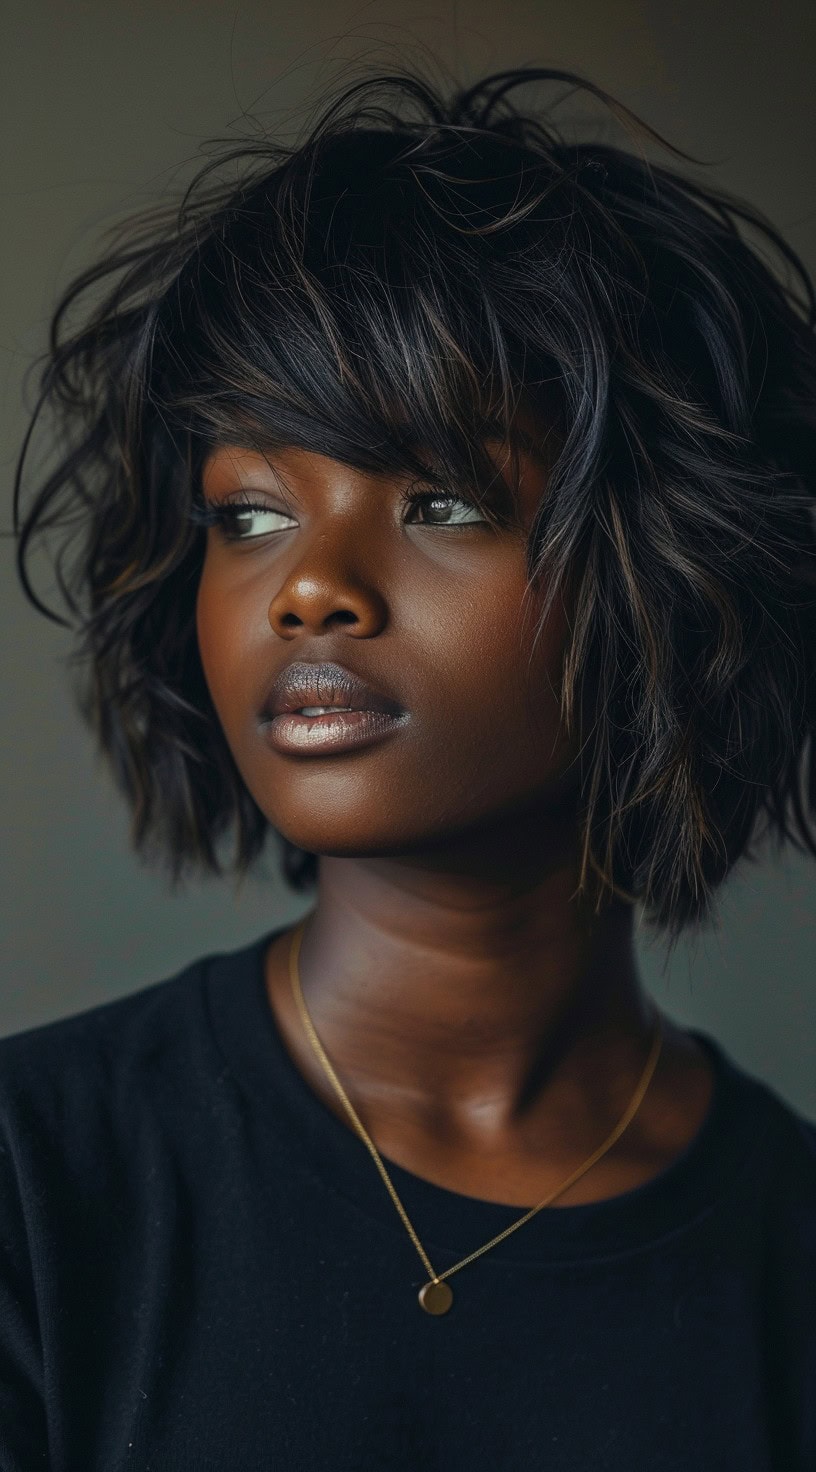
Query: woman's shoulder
point(778, 1139)
point(69, 1044)
point(94, 1103)
point(157, 1036)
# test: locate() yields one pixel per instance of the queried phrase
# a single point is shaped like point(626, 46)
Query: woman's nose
point(314, 598)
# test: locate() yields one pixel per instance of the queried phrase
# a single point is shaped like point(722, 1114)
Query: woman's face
point(435, 615)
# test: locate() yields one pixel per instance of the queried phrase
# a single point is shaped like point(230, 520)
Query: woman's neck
point(470, 1003)
point(487, 1044)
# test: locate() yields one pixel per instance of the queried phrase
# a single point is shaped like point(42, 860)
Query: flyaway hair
point(415, 270)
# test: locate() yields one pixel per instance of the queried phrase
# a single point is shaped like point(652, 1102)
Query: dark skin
point(488, 1026)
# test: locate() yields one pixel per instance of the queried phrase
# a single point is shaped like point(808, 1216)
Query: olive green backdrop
point(104, 105)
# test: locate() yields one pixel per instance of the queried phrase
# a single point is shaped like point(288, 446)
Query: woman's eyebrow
point(495, 431)
point(492, 430)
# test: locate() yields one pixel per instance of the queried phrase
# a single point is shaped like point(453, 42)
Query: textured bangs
point(349, 304)
point(419, 274)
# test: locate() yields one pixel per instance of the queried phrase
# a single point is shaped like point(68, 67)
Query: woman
point(446, 494)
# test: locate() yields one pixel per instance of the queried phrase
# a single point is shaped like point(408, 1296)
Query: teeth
point(320, 710)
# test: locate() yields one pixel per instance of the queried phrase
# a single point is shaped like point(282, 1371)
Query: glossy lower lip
point(335, 731)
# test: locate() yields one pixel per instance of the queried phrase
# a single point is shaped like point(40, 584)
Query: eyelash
point(225, 514)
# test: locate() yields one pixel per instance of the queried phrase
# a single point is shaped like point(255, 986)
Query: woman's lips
point(339, 730)
point(306, 683)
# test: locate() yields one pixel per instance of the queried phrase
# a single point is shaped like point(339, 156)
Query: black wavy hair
point(415, 268)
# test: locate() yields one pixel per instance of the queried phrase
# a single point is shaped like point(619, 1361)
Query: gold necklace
point(436, 1296)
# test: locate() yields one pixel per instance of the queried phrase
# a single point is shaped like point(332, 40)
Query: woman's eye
point(240, 521)
point(447, 503)
point(244, 521)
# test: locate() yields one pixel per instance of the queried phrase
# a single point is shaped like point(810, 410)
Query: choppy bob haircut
point(413, 271)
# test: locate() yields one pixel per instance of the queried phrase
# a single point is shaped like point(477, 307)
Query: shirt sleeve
point(23, 1425)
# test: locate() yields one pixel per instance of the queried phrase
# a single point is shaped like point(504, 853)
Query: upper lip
point(327, 683)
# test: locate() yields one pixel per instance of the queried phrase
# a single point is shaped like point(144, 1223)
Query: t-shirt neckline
point(291, 1117)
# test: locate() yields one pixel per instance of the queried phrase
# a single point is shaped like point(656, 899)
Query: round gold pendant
point(435, 1297)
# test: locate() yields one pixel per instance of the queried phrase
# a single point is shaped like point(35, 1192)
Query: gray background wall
point(103, 107)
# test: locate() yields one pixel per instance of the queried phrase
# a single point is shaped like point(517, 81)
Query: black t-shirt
point(201, 1269)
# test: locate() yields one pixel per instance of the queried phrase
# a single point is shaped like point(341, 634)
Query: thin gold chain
point(294, 974)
